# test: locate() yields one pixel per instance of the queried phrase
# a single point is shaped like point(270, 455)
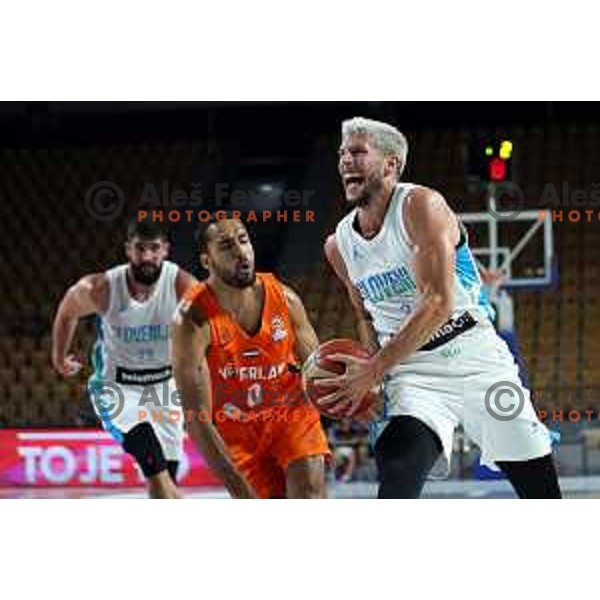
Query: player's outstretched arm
point(366, 331)
point(192, 378)
point(306, 338)
point(88, 296)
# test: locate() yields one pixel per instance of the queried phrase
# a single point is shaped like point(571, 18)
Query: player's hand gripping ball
point(320, 365)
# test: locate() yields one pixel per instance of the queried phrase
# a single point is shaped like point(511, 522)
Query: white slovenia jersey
point(133, 346)
point(382, 270)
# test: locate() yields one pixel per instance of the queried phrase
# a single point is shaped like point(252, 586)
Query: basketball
point(319, 365)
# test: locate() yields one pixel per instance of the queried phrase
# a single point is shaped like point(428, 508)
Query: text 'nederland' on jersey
point(251, 372)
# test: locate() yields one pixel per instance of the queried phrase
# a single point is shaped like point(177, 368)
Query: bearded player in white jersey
point(416, 292)
point(135, 304)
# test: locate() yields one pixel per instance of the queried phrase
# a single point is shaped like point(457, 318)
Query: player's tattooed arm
point(434, 232)
point(191, 338)
point(306, 338)
point(86, 297)
point(366, 331)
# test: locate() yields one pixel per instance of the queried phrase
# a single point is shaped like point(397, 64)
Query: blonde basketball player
point(415, 288)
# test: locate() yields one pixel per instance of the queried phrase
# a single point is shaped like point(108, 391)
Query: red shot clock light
point(498, 156)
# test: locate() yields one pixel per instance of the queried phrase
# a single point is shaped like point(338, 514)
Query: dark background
point(30, 124)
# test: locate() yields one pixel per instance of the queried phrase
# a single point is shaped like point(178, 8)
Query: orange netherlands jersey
point(251, 373)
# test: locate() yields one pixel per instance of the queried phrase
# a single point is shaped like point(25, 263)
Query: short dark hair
point(146, 229)
point(200, 235)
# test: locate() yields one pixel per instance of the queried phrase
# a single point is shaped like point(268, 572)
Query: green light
point(489, 151)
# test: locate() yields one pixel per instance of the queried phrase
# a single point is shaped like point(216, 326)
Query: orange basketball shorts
point(265, 443)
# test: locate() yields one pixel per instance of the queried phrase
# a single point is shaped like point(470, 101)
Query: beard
point(372, 188)
point(146, 274)
point(240, 278)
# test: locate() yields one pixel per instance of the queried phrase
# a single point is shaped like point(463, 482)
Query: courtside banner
point(80, 458)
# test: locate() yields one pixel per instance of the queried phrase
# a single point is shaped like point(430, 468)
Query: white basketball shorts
point(122, 407)
point(471, 380)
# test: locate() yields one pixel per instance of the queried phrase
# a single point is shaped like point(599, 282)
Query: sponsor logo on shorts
point(452, 352)
point(451, 329)
point(143, 376)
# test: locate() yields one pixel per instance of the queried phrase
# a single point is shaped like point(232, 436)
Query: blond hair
point(385, 137)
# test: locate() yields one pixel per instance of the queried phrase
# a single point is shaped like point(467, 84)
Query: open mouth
point(244, 268)
point(353, 182)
